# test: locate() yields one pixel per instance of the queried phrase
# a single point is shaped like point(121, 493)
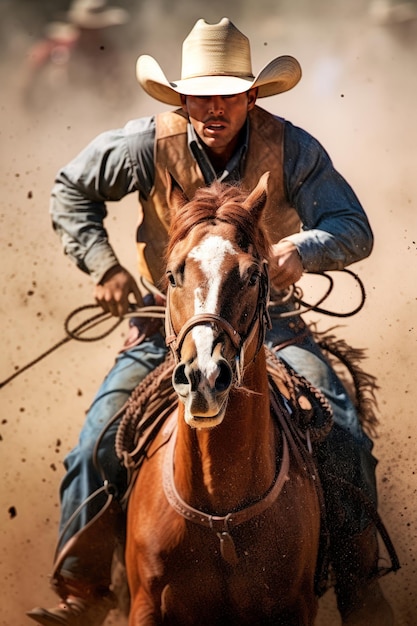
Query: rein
point(222, 524)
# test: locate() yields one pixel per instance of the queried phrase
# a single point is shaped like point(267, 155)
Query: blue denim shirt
point(335, 230)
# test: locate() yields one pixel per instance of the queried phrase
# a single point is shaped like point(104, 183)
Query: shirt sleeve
point(105, 171)
point(335, 229)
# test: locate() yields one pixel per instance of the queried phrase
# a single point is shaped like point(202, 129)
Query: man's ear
point(252, 96)
point(175, 195)
point(184, 103)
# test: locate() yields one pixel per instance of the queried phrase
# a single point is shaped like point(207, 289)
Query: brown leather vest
point(265, 153)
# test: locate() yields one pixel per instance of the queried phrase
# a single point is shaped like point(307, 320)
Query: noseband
point(261, 317)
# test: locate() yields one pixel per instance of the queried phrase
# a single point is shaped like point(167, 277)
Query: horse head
point(217, 291)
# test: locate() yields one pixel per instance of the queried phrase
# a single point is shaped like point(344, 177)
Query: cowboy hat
point(61, 32)
point(95, 14)
point(216, 60)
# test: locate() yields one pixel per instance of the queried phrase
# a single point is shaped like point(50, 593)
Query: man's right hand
point(114, 289)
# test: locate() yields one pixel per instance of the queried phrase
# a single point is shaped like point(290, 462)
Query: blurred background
point(63, 81)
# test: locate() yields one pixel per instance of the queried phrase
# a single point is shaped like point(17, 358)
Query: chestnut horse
point(224, 517)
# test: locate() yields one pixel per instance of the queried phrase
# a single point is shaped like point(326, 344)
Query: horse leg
point(143, 611)
point(347, 467)
point(120, 585)
point(359, 598)
point(301, 616)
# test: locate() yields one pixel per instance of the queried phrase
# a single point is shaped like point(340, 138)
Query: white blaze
point(210, 254)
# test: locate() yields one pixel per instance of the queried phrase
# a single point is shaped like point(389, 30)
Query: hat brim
point(61, 31)
point(278, 76)
point(110, 17)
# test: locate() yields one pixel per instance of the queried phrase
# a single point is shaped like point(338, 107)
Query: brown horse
point(224, 517)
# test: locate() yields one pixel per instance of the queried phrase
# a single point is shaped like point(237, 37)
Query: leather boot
point(359, 596)
point(75, 610)
point(82, 573)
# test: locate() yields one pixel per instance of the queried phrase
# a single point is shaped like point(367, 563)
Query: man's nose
point(216, 105)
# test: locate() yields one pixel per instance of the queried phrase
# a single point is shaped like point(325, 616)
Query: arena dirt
point(357, 97)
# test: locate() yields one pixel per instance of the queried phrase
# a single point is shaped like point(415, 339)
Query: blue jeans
point(84, 478)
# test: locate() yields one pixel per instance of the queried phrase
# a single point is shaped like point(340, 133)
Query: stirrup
point(74, 611)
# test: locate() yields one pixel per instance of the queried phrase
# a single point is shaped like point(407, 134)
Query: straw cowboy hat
point(95, 14)
point(216, 60)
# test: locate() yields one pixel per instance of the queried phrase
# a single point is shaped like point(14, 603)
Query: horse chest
point(199, 586)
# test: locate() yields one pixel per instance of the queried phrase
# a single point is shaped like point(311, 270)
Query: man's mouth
point(214, 126)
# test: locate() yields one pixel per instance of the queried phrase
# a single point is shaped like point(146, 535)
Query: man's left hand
point(285, 266)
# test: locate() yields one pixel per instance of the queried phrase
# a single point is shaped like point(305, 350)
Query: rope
point(85, 326)
point(298, 386)
point(293, 293)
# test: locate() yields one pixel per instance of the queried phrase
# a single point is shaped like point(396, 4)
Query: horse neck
point(233, 464)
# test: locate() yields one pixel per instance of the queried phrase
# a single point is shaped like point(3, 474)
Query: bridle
point(258, 325)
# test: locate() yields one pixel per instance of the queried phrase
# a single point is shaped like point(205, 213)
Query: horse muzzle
point(204, 391)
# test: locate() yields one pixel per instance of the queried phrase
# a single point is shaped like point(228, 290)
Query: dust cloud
point(357, 96)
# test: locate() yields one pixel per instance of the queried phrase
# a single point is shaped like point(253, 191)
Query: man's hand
point(112, 293)
point(285, 267)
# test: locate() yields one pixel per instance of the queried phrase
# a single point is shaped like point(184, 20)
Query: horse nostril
point(180, 377)
point(224, 379)
point(186, 379)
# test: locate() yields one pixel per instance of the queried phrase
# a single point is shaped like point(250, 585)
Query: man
point(217, 131)
point(74, 53)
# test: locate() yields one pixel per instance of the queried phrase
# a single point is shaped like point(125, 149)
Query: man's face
point(218, 120)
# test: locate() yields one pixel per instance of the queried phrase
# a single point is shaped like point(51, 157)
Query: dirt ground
point(358, 98)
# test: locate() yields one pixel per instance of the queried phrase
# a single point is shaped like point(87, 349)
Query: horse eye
point(171, 279)
point(253, 279)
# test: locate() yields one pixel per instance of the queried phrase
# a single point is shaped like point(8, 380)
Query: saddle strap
point(222, 524)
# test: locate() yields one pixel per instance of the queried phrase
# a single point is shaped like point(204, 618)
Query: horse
point(224, 517)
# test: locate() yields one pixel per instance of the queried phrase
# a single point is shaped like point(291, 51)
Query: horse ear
point(175, 195)
point(256, 200)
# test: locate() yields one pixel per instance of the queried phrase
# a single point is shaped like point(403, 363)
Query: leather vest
point(172, 154)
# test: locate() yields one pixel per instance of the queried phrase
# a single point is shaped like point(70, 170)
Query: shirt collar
point(233, 169)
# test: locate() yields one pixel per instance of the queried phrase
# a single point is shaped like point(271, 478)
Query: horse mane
point(220, 202)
